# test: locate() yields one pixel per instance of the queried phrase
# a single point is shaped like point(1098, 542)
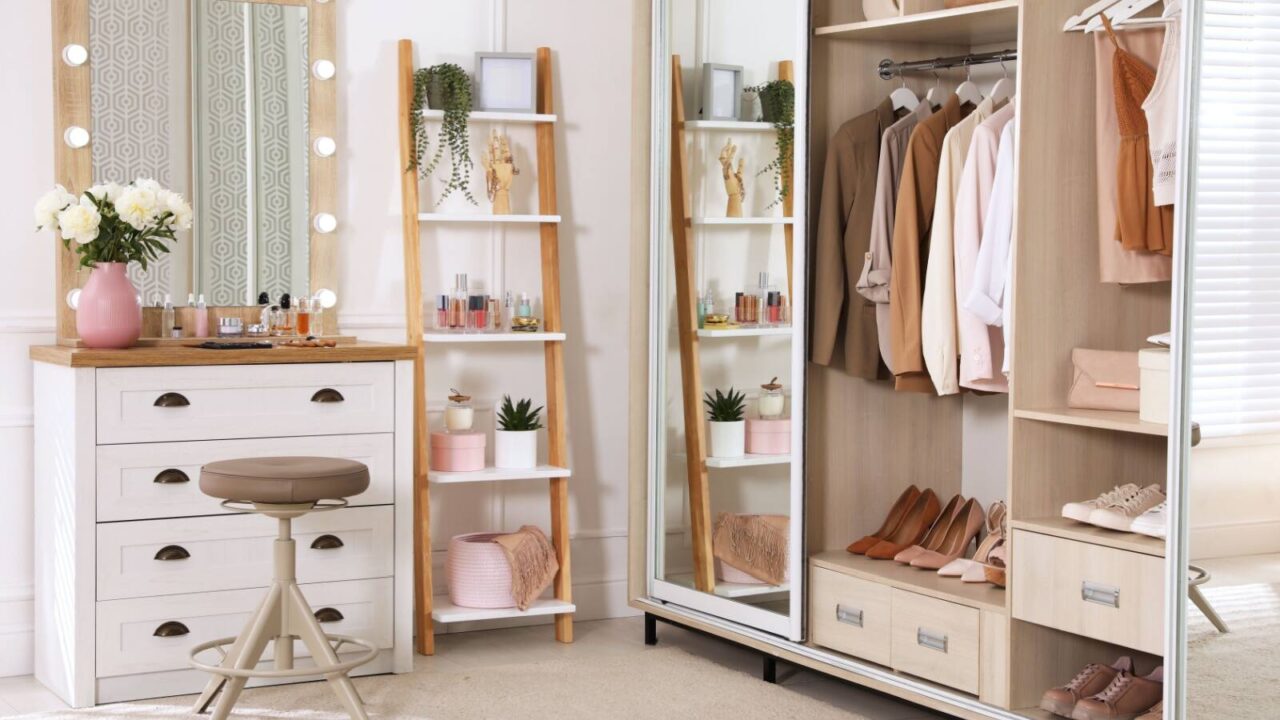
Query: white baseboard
point(17, 634)
point(1234, 539)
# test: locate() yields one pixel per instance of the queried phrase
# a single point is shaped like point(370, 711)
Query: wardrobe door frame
point(789, 626)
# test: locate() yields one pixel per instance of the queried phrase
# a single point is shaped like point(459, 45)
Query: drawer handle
point(171, 629)
point(172, 476)
point(327, 395)
point(329, 615)
point(172, 399)
point(849, 616)
point(931, 640)
point(326, 542)
point(1100, 594)
point(172, 552)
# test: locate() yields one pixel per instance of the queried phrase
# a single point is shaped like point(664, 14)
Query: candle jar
point(772, 402)
point(459, 414)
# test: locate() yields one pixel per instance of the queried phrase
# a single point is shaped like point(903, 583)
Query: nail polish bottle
point(442, 312)
point(478, 313)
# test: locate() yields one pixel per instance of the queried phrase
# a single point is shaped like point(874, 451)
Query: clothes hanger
point(902, 97)
point(935, 96)
point(1004, 88)
point(968, 91)
point(1123, 13)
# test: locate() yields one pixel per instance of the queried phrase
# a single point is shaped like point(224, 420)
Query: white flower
point(106, 191)
point(138, 207)
point(80, 222)
point(147, 184)
point(48, 207)
point(173, 203)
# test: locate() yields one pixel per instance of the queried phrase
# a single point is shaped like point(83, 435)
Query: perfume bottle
point(302, 317)
point(458, 414)
point(317, 316)
point(761, 299)
point(282, 317)
point(495, 315)
point(458, 303)
point(772, 402)
point(167, 317)
point(526, 306)
point(202, 317)
point(702, 313)
point(508, 310)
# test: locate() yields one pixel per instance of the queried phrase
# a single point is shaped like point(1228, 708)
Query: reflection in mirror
point(210, 98)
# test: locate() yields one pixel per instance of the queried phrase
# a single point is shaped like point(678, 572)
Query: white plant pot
point(515, 449)
point(728, 439)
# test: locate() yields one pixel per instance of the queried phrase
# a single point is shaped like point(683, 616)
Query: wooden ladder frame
point(556, 406)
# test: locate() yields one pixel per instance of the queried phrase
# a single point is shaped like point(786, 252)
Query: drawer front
point(155, 634)
point(230, 552)
point(849, 615)
point(936, 640)
point(1091, 590)
point(162, 480)
point(244, 401)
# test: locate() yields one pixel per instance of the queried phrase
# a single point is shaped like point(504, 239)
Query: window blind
point(1235, 347)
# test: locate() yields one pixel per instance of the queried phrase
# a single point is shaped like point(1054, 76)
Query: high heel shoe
point(891, 522)
point(963, 529)
point(933, 540)
point(924, 512)
point(996, 571)
point(964, 568)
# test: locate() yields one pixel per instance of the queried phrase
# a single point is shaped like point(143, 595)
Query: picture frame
point(721, 91)
point(506, 82)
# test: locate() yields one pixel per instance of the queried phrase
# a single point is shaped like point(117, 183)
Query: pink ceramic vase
point(108, 316)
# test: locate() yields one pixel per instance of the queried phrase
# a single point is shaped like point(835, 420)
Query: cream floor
point(522, 652)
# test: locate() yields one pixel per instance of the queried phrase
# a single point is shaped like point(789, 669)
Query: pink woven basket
point(478, 571)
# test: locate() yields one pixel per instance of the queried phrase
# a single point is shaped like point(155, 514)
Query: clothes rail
point(889, 69)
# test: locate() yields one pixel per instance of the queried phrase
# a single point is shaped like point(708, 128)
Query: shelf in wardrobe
point(743, 332)
point(983, 24)
point(495, 117)
point(729, 125)
point(444, 611)
point(1072, 530)
point(494, 337)
point(486, 218)
point(748, 460)
point(492, 474)
point(983, 596)
point(741, 221)
point(735, 590)
point(1117, 420)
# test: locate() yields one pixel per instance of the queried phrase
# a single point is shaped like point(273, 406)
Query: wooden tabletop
point(170, 355)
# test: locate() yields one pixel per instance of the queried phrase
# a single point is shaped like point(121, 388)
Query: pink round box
point(478, 571)
point(457, 452)
point(768, 437)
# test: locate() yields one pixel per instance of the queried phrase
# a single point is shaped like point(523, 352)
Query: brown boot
point(1093, 679)
point(1127, 697)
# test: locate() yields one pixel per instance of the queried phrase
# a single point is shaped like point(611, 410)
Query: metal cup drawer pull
point(849, 615)
point(171, 629)
point(172, 552)
point(1100, 594)
point(172, 400)
point(326, 542)
point(172, 476)
point(329, 615)
point(327, 395)
point(930, 639)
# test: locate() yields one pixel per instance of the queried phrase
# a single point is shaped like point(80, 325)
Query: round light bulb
point(76, 136)
point(324, 69)
point(327, 298)
point(75, 55)
point(73, 298)
point(325, 223)
point(325, 146)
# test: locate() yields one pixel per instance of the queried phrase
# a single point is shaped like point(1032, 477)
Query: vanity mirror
point(230, 103)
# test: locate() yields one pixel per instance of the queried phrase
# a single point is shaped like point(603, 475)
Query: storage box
point(478, 571)
point(768, 437)
point(1153, 405)
point(457, 452)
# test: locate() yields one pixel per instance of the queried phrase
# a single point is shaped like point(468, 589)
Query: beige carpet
point(1234, 675)
point(661, 682)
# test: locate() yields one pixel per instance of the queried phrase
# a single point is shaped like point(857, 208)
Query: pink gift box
point(457, 452)
point(768, 437)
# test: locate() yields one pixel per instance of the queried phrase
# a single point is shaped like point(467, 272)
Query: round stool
point(283, 488)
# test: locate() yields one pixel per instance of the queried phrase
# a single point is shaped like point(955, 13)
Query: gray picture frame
point(711, 100)
point(494, 96)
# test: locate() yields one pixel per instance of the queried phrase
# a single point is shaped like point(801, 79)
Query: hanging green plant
point(444, 87)
point(778, 105)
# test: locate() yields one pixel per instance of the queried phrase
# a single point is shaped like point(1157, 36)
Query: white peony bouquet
point(115, 223)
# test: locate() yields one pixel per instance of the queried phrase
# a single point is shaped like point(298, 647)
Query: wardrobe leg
point(650, 629)
point(770, 674)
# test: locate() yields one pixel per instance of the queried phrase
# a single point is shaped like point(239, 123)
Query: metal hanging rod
point(890, 69)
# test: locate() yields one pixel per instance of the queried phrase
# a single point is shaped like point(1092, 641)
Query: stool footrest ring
point(370, 652)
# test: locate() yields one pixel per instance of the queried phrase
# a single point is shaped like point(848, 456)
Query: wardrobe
point(1075, 594)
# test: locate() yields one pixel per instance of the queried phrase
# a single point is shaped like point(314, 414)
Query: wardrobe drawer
point(1091, 590)
point(936, 640)
point(229, 552)
point(162, 480)
point(244, 401)
point(155, 634)
point(849, 615)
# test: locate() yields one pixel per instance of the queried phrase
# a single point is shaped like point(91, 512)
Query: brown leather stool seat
point(284, 480)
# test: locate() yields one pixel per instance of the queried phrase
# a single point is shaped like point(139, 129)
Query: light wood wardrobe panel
point(1041, 658)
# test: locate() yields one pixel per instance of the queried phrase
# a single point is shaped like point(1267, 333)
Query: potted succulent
point(112, 226)
point(445, 87)
point(726, 416)
point(516, 439)
point(778, 106)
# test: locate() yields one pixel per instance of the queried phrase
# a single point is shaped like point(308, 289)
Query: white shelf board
point(744, 332)
point(492, 474)
point(496, 117)
point(729, 125)
point(444, 611)
point(748, 461)
point(486, 218)
point(491, 337)
point(744, 221)
point(735, 590)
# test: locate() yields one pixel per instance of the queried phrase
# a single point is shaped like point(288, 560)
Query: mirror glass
point(210, 98)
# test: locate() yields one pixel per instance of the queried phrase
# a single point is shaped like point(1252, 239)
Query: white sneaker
point(1152, 522)
point(1120, 514)
point(1082, 511)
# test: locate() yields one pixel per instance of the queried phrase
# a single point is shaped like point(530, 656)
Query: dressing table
point(134, 566)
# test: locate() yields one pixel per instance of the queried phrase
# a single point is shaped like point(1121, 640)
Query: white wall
point(592, 51)
point(1235, 497)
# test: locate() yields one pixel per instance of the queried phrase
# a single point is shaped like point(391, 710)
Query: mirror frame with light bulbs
point(73, 166)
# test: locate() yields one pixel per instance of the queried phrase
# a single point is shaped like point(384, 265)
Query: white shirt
point(1161, 109)
point(988, 298)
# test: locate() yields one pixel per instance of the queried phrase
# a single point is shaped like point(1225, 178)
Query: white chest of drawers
point(134, 565)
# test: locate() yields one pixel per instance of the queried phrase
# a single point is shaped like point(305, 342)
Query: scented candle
point(772, 402)
point(459, 415)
